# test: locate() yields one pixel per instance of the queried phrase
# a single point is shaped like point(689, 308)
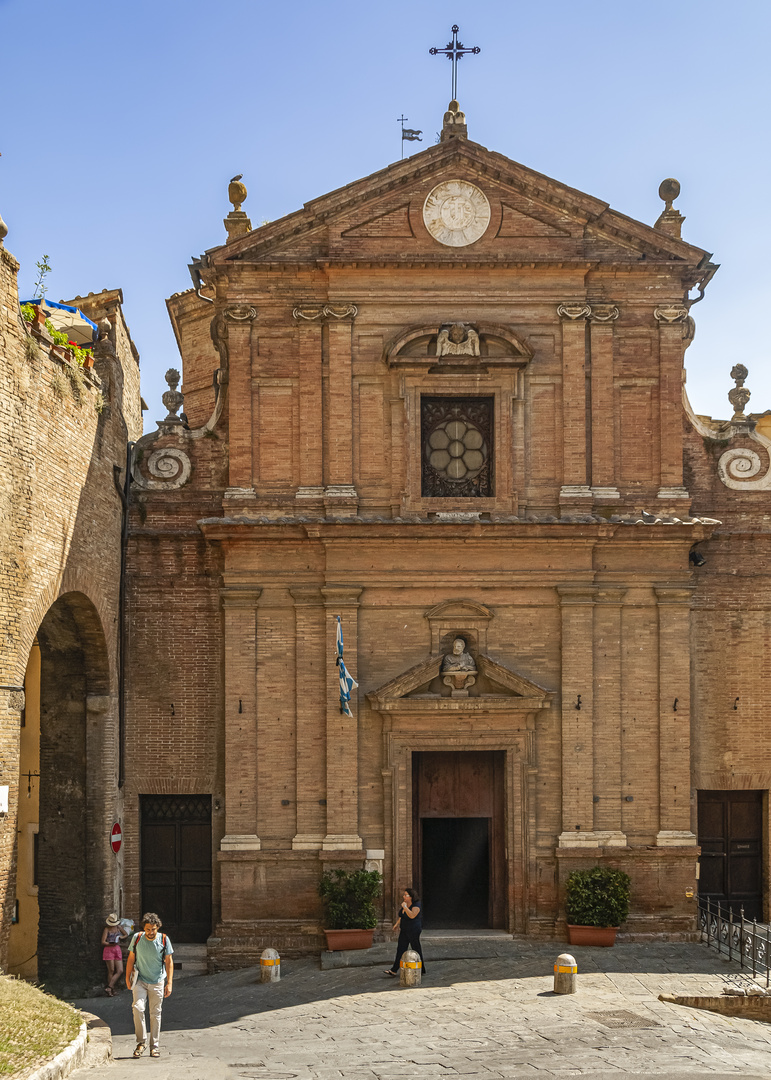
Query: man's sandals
point(139, 1050)
point(154, 1051)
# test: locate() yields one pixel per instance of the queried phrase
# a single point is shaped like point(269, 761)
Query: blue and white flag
point(347, 681)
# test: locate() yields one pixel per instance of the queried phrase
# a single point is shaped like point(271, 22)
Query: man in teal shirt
point(149, 974)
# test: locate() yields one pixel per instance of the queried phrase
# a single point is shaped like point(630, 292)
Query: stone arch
point(77, 780)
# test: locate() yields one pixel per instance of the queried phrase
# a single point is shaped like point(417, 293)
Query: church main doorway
point(459, 861)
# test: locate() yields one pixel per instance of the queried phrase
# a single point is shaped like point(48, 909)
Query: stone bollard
point(565, 971)
point(270, 966)
point(409, 969)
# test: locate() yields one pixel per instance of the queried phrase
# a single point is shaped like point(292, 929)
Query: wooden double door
point(176, 864)
point(458, 841)
point(731, 841)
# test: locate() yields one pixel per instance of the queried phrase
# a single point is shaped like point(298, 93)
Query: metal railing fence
point(744, 940)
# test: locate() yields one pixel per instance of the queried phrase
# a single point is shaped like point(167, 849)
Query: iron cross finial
point(455, 50)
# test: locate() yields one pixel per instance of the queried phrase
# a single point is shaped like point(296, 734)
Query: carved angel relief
point(457, 340)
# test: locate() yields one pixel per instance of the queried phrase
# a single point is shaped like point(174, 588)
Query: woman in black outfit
point(410, 923)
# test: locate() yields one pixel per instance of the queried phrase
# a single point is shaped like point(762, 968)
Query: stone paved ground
point(478, 1019)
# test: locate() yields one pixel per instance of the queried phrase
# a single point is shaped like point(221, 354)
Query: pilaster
point(670, 319)
point(574, 479)
point(342, 730)
point(601, 335)
point(607, 719)
point(674, 609)
point(577, 690)
point(340, 494)
point(239, 604)
point(240, 433)
point(311, 413)
point(310, 683)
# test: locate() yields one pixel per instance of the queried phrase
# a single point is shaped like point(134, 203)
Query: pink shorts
point(112, 952)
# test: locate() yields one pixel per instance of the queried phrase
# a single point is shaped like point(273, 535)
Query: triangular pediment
point(380, 219)
point(494, 685)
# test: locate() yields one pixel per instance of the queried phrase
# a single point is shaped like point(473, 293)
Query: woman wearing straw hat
point(111, 951)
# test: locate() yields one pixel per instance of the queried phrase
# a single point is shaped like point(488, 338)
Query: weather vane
point(455, 50)
point(408, 134)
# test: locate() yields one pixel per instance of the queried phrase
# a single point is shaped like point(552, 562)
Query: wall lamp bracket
point(736, 704)
point(674, 704)
point(578, 702)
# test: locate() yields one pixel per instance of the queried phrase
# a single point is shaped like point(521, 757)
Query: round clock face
point(456, 213)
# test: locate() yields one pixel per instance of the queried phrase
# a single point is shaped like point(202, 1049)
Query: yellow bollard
point(409, 969)
point(565, 971)
point(270, 966)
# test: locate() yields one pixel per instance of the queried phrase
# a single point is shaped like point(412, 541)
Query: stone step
point(189, 960)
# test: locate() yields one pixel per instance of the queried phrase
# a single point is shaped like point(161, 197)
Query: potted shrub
point(349, 899)
point(597, 902)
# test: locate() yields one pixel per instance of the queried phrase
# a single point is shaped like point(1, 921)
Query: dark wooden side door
point(176, 863)
point(731, 840)
point(459, 864)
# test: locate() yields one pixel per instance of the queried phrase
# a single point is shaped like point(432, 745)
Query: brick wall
point(61, 433)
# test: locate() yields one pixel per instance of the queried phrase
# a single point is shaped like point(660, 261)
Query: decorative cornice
point(311, 312)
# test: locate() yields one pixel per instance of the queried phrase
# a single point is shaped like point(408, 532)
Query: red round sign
point(116, 837)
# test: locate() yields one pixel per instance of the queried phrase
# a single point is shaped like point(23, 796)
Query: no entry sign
point(116, 837)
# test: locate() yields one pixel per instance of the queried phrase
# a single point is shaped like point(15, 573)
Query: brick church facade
point(444, 402)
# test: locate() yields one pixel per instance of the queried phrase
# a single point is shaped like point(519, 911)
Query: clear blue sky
point(129, 120)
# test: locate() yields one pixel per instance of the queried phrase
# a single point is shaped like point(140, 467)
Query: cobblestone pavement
point(491, 1018)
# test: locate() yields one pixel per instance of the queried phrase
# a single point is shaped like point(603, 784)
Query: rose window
point(457, 447)
point(457, 450)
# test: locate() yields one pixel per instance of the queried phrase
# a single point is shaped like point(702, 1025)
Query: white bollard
point(410, 967)
point(270, 966)
point(565, 971)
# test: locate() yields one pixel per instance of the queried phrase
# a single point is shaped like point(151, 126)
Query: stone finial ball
point(105, 326)
point(669, 189)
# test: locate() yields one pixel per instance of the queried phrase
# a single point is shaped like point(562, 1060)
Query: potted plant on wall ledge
point(349, 899)
point(596, 903)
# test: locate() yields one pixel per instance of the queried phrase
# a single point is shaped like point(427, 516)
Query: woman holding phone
point(409, 924)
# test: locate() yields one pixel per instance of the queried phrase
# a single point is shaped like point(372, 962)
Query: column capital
point(603, 313)
point(610, 595)
point(576, 594)
point(306, 595)
point(308, 313)
point(574, 312)
point(341, 595)
point(665, 314)
point(234, 596)
point(673, 594)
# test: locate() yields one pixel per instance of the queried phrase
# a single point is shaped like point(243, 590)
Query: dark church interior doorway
point(458, 838)
point(176, 863)
point(730, 837)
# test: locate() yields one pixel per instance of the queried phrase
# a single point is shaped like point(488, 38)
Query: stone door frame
point(519, 804)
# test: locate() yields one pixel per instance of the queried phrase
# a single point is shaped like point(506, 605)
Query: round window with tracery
point(457, 450)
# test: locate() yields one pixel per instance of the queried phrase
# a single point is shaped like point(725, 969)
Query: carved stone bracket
point(574, 312)
point(670, 313)
point(313, 312)
point(603, 313)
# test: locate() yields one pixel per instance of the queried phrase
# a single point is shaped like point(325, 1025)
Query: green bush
point(597, 897)
point(349, 897)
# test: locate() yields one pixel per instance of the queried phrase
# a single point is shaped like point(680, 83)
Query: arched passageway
point(68, 877)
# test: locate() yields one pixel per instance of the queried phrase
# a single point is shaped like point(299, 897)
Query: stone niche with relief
point(458, 345)
point(459, 675)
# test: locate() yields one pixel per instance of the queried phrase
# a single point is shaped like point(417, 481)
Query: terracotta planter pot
point(592, 935)
point(88, 361)
point(338, 940)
